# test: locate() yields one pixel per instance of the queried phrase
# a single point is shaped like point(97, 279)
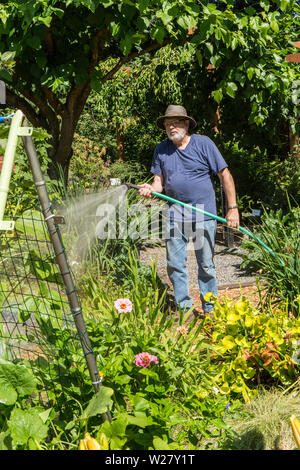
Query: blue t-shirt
point(188, 174)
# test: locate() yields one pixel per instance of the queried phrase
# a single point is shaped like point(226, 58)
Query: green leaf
point(46, 21)
point(160, 444)
point(158, 33)
point(116, 442)
point(29, 306)
point(140, 419)
point(43, 268)
point(210, 47)
point(250, 72)
point(96, 80)
point(99, 403)
point(217, 95)
point(4, 15)
point(165, 18)
point(187, 22)
point(285, 5)
point(5, 440)
point(215, 60)
point(228, 342)
point(139, 403)
point(265, 4)
point(32, 224)
point(25, 425)
point(34, 42)
point(231, 88)
point(199, 57)
point(8, 56)
point(143, 4)
point(274, 25)
point(6, 76)
point(118, 427)
point(126, 44)
point(15, 380)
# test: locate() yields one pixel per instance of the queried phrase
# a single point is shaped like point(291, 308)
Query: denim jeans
point(176, 244)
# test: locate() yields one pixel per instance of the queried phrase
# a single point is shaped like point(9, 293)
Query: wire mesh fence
point(37, 326)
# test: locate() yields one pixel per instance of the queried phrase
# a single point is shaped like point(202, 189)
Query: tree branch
point(132, 56)
point(84, 89)
point(18, 102)
point(49, 43)
point(48, 117)
point(53, 100)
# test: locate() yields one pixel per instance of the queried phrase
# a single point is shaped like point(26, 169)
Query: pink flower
point(182, 329)
point(123, 305)
point(144, 359)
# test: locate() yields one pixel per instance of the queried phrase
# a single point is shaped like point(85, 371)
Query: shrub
point(158, 402)
point(252, 347)
point(281, 233)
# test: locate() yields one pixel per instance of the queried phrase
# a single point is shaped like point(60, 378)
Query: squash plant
point(21, 426)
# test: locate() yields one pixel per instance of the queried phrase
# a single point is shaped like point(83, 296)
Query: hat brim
point(160, 121)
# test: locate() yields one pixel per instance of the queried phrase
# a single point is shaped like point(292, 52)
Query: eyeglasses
point(176, 123)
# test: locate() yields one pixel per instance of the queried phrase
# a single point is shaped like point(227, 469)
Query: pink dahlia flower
point(144, 359)
point(123, 305)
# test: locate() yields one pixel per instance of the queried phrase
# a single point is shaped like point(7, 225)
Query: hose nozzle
point(134, 186)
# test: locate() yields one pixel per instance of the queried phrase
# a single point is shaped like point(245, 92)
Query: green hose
point(216, 217)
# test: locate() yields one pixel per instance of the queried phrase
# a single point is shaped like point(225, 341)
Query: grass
point(263, 423)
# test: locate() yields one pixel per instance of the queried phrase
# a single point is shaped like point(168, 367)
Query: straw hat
point(174, 111)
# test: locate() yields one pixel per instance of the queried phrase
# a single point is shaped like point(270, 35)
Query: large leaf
point(99, 403)
point(43, 268)
point(5, 440)
point(26, 425)
point(15, 380)
point(140, 419)
point(32, 224)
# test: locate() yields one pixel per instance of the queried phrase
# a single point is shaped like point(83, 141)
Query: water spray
point(213, 216)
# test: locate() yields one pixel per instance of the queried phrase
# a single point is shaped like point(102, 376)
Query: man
point(182, 165)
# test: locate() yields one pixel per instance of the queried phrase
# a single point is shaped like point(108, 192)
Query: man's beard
point(178, 136)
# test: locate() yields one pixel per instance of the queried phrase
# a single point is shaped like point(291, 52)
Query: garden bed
point(231, 278)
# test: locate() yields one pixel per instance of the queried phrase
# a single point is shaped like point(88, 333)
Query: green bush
point(163, 399)
point(280, 231)
point(261, 179)
point(252, 347)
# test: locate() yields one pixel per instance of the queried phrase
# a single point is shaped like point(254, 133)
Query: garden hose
point(216, 217)
point(6, 118)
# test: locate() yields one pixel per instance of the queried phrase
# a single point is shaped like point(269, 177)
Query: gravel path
point(227, 263)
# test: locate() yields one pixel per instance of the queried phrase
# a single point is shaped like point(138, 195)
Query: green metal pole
point(62, 262)
point(8, 160)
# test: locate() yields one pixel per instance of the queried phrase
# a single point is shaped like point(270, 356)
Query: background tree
point(60, 48)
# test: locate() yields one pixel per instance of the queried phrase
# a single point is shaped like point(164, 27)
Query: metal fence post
point(62, 261)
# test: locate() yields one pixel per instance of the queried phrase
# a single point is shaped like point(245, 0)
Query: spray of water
point(87, 219)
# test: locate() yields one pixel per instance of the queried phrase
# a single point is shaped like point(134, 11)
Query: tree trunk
point(61, 152)
point(215, 119)
point(120, 143)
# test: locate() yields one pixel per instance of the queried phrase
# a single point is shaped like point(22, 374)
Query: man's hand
point(146, 190)
point(233, 218)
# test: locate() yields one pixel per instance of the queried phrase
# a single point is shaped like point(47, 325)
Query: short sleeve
point(156, 164)
point(214, 157)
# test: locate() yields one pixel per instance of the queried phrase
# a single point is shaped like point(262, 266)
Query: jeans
point(176, 244)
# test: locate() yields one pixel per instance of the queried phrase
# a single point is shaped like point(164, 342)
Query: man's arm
point(146, 189)
point(232, 216)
